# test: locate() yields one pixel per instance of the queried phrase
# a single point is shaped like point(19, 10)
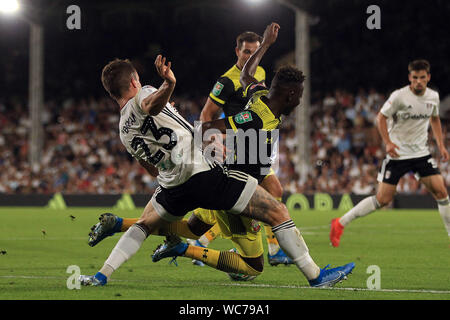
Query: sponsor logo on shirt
point(409, 116)
point(217, 89)
point(243, 117)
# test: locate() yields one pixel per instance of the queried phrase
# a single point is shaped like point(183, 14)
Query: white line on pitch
point(337, 288)
point(259, 285)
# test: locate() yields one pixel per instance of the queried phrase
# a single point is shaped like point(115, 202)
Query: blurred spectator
point(82, 152)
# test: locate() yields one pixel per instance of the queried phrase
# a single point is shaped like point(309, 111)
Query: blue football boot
point(98, 280)
point(279, 258)
point(109, 224)
point(172, 247)
point(329, 277)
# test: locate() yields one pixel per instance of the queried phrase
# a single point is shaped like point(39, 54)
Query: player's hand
point(444, 154)
point(390, 149)
point(164, 70)
point(214, 148)
point(270, 34)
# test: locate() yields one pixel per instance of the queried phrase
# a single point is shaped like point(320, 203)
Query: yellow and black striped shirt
point(227, 93)
point(256, 134)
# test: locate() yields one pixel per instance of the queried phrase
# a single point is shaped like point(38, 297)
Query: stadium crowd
point(82, 152)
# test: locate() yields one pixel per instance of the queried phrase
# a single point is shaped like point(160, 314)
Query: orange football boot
point(336, 231)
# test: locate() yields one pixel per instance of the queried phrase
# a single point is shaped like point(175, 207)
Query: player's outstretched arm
point(155, 102)
point(270, 36)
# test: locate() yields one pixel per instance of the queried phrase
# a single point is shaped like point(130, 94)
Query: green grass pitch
point(410, 247)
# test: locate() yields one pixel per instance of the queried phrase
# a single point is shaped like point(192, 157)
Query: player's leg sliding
point(264, 207)
point(126, 247)
point(227, 261)
point(204, 241)
point(293, 244)
point(129, 243)
point(110, 224)
point(276, 255)
point(210, 235)
point(363, 208)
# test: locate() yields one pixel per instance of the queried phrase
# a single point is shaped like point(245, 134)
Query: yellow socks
point(210, 235)
point(221, 260)
point(127, 223)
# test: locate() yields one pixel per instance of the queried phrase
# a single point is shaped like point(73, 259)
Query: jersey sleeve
point(391, 106)
point(254, 87)
point(244, 120)
point(144, 93)
point(436, 107)
point(222, 91)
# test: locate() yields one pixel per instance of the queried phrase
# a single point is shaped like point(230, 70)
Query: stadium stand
point(82, 152)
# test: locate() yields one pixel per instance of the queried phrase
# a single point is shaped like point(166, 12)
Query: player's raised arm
point(270, 36)
point(155, 102)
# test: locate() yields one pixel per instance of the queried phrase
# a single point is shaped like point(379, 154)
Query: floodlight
point(9, 6)
point(255, 1)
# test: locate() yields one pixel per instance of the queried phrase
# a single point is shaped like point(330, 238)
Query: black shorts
point(392, 170)
point(215, 189)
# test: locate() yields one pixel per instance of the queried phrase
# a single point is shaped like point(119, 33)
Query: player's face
point(293, 99)
point(245, 52)
point(419, 80)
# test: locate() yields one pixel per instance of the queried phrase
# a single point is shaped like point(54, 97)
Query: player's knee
point(440, 194)
point(197, 226)
point(149, 224)
point(384, 200)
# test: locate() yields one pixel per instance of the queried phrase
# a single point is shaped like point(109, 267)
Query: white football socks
point(444, 211)
point(126, 247)
point(363, 208)
point(294, 246)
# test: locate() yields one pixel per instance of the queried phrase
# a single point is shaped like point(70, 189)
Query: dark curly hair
point(288, 75)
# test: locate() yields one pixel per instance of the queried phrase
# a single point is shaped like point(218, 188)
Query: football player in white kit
point(157, 136)
point(403, 123)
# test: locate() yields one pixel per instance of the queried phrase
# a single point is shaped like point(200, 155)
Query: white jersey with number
point(165, 140)
point(409, 119)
